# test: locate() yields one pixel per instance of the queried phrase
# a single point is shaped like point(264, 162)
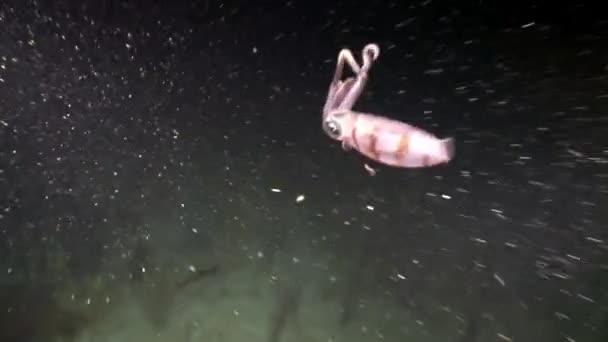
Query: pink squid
point(384, 140)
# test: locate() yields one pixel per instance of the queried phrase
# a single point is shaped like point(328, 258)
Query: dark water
point(141, 143)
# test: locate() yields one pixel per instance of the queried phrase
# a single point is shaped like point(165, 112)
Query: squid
point(378, 138)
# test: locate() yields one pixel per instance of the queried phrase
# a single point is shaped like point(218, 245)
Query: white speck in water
point(592, 239)
point(585, 298)
point(9, 271)
point(447, 197)
point(88, 301)
point(499, 279)
point(235, 312)
point(401, 276)
point(107, 299)
point(369, 207)
point(434, 71)
point(573, 257)
point(275, 190)
point(254, 50)
point(300, 198)
point(498, 213)
point(260, 254)
point(478, 264)
point(504, 337)
point(191, 268)
point(295, 260)
point(195, 231)
point(480, 240)
point(372, 172)
point(560, 275)
point(530, 24)
point(143, 270)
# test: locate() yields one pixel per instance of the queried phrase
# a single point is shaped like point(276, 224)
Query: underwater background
point(164, 175)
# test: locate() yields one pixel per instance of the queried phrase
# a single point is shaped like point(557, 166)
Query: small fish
point(388, 141)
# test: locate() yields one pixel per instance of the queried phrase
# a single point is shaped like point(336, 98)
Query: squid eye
point(332, 128)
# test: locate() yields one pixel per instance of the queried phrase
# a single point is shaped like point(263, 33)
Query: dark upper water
point(117, 118)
